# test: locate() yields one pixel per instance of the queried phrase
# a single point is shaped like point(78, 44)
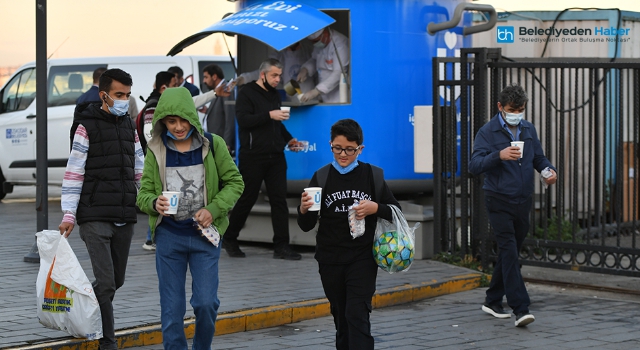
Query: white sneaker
point(148, 245)
point(524, 319)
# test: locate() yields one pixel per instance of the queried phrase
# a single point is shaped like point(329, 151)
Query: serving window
point(252, 52)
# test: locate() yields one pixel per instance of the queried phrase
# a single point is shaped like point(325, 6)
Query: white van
point(67, 79)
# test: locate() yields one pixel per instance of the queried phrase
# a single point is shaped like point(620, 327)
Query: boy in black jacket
point(347, 269)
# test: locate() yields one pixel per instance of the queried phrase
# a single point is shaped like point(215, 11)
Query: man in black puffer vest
point(100, 187)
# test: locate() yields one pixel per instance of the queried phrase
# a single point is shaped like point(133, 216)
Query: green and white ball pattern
point(392, 253)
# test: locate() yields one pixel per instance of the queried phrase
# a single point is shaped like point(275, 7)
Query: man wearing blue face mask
point(508, 186)
point(105, 155)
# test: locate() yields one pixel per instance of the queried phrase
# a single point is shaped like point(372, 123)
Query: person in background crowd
point(220, 117)
point(181, 82)
point(92, 95)
point(164, 80)
point(330, 58)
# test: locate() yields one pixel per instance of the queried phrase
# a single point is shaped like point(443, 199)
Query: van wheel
point(2, 193)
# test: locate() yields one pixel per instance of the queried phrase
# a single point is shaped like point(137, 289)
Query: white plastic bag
point(65, 296)
point(394, 243)
point(545, 174)
point(356, 226)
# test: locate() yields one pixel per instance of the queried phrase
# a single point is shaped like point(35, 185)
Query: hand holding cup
point(279, 115)
point(520, 145)
point(168, 203)
point(316, 196)
point(306, 202)
point(511, 153)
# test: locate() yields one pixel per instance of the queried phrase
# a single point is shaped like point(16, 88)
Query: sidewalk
point(565, 320)
point(255, 292)
point(278, 304)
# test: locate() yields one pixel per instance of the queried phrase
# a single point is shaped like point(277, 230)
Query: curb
point(271, 316)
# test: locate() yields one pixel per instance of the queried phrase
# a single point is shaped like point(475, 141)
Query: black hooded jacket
point(260, 136)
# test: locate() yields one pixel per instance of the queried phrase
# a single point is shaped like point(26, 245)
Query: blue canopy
point(278, 24)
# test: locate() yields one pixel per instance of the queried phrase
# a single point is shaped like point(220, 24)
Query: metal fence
point(587, 114)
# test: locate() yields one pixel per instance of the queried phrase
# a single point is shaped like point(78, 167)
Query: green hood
point(175, 101)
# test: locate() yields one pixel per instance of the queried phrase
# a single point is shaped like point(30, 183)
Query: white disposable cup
point(316, 195)
point(286, 109)
point(174, 198)
point(304, 146)
point(519, 144)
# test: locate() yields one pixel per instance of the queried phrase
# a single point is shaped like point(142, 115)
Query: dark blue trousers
point(510, 224)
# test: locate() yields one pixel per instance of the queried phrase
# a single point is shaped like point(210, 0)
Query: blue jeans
point(173, 254)
point(510, 226)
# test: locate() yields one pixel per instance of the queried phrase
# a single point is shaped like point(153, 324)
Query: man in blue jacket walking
point(508, 186)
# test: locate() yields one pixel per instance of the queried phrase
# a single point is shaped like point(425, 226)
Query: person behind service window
point(330, 58)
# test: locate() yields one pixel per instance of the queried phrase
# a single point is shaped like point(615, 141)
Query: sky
point(80, 28)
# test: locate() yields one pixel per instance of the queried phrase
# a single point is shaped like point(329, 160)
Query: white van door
point(17, 127)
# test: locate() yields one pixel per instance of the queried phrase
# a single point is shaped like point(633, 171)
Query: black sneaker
point(233, 249)
point(495, 310)
point(523, 319)
point(286, 254)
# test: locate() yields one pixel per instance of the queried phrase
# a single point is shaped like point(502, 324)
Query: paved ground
point(259, 292)
point(565, 319)
point(254, 292)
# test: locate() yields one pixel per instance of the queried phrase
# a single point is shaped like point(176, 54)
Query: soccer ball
point(392, 253)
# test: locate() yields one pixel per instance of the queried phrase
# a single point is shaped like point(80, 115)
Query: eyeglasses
point(347, 151)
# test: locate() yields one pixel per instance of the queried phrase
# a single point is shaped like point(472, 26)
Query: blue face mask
point(513, 119)
point(119, 108)
point(175, 138)
point(343, 170)
point(319, 44)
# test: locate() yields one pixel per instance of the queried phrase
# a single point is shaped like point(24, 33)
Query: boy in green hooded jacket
point(179, 159)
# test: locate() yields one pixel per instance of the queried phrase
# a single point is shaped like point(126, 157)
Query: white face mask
point(513, 119)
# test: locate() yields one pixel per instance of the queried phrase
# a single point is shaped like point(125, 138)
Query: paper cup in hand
point(174, 198)
point(287, 111)
point(300, 146)
point(316, 195)
point(519, 144)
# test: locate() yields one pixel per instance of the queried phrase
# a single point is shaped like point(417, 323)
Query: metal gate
point(587, 114)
